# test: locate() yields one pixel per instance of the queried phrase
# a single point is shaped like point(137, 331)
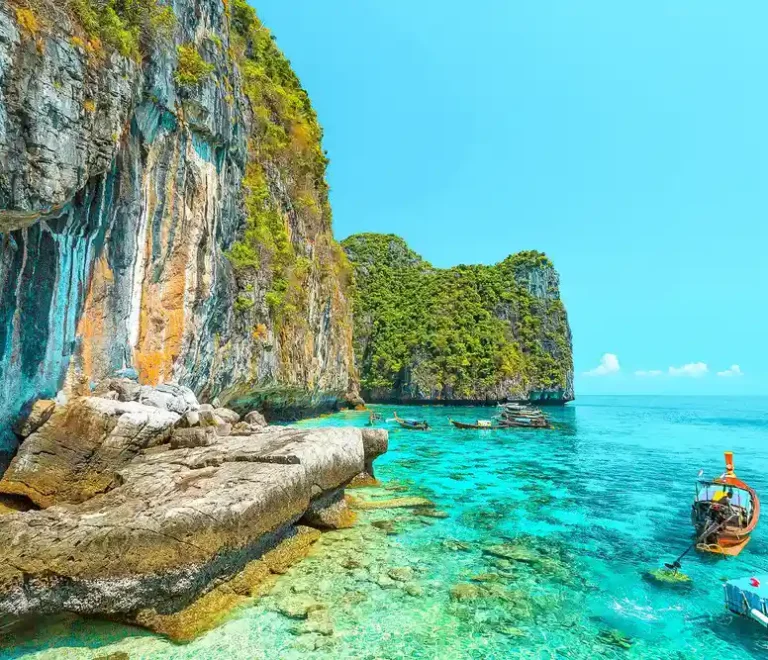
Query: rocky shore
point(146, 507)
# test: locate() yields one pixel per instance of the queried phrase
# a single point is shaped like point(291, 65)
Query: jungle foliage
point(466, 332)
point(285, 152)
point(129, 26)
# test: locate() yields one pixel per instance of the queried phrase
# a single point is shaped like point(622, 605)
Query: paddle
point(676, 565)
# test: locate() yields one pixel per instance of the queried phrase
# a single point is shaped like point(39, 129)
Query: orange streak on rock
point(90, 328)
point(162, 318)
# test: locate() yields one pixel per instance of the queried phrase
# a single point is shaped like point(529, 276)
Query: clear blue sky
point(628, 141)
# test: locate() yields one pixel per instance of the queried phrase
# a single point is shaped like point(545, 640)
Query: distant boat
point(413, 424)
point(524, 422)
point(479, 424)
point(725, 512)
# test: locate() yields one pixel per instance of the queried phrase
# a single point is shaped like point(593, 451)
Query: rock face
point(469, 333)
point(163, 210)
point(135, 528)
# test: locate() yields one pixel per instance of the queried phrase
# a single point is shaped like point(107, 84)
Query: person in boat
point(720, 512)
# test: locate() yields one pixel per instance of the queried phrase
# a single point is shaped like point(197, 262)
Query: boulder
point(127, 389)
point(223, 429)
point(173, 398)
point(77, 452)
point(243, 428)
point(206, 416)
point(190, 419)
point(172, 523)
point(255, 418)
point(33, 417)
point(193, 437)
point(354, 400)
point(226, 415)
point(375, 443)
point(330, 511)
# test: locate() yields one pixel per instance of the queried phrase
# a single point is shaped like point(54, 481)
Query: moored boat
point(479, 424)
point(725, 512)
point(413, 424)
point(525, 422)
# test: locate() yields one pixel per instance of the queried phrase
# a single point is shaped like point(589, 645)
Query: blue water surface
point(592, 505)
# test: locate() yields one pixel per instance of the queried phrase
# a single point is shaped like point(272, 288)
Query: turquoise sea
point(581, 511)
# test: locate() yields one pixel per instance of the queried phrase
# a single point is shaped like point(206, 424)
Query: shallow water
point(587, 508)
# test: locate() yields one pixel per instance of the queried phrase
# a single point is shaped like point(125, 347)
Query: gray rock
point(376, 443)
point(227, 415)
point(127, 389)
point(77, 453)
point(255, 418)
point(173, 398)
point(171, 522)
point(193, 437)
point(223, 429)
point(207, 418)
point(36, 415)
point(191, 419)
point(243, 428)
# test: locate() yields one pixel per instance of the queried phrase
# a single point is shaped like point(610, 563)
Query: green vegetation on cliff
point(129, 26)
point(469, 332)
point(285, 192)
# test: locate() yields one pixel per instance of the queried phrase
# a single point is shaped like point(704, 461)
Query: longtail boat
point(524, 423)
point(725, 512)
point(479, 424)
point(413, 424)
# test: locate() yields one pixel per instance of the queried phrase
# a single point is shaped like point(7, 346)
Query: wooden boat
point(725, 512)
point(413, 424)
point(479, 424)
point(524, 423)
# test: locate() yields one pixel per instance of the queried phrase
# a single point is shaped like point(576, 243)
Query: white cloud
point(734, 370)
point(609, 364)
point(693, 370)
point(650, 373)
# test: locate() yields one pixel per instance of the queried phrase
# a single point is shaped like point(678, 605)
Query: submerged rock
point(414, 589)
point(401, 574)
point(614, 638)
point(512, 552)
point(466, 591)
point(397, 503)
point(297, 606)
point(318, 621)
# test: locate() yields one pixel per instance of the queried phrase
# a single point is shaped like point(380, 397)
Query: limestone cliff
point(469, 333)
point(163, 207)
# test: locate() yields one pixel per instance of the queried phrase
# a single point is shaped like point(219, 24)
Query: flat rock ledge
point(137, 526)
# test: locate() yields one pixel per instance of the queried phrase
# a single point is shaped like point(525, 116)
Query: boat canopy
point(712, 491)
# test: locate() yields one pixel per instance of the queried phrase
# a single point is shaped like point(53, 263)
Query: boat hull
point(729, 547)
